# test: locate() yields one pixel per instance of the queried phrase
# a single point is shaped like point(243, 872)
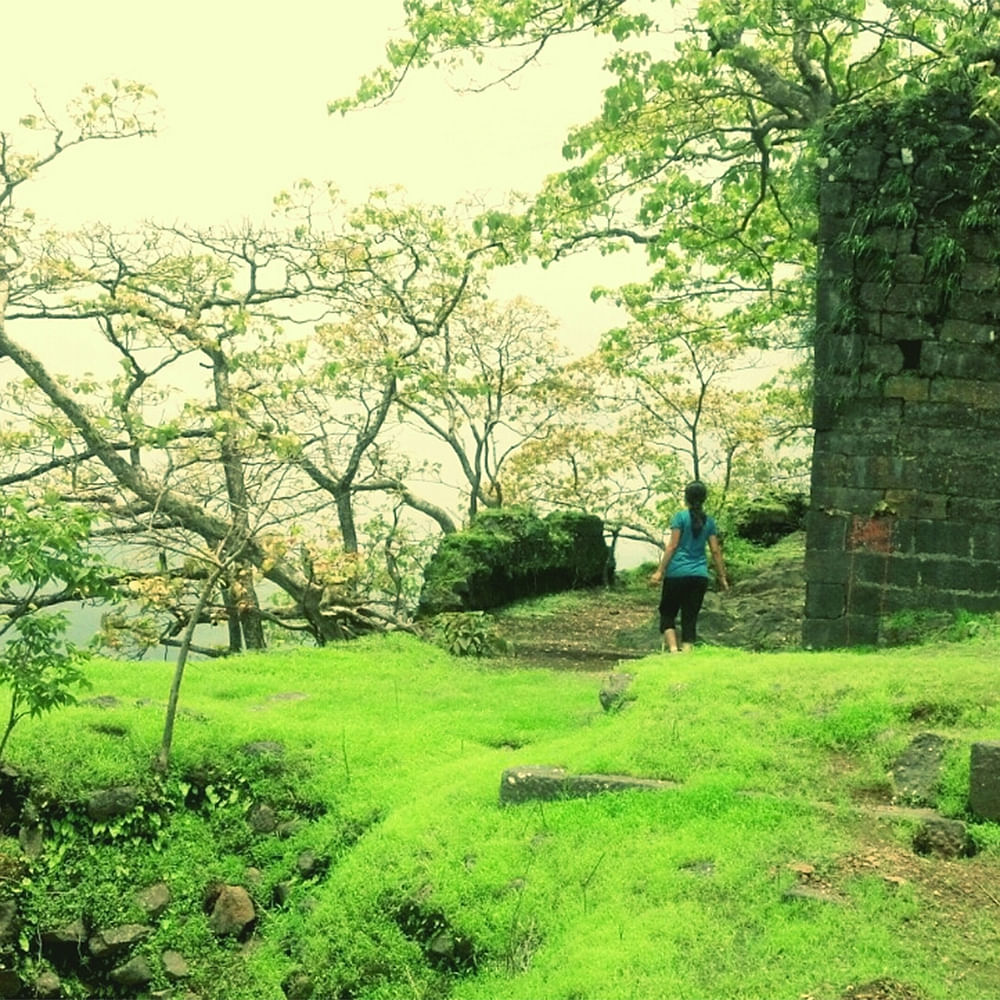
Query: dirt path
point(593, 630)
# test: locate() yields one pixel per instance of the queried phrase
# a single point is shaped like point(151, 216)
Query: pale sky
point(244, 88)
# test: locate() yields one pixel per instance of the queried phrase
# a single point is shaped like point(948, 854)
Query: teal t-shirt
point(690, 558)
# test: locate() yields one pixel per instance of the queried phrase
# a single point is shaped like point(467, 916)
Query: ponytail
point(695, 495)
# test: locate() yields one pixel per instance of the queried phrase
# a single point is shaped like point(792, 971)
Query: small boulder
point(614, 692)
point(114, 940)
point(10, 984)
point(233, 912)
point(943, 838)
point(175, 965)
point(154, 899)
point(262, 818)
point(984, 780)
point(916, 773)
point(134, 974)
point(108, 803)
point(48, 984)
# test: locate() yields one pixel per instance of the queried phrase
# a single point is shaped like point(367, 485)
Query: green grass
point(393, 754)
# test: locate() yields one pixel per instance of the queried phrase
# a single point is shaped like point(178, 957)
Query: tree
point(492, 383)
point(412, 269)
point(45, 561)
point(705, 148)
point(163, 307)
point(177, 469)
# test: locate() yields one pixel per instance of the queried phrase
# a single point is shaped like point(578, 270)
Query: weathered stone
point(262, 818)
point(233, 912)
point(523, 784)
point(73, 934)
point(114, 940)
point(8, 920)
point(175, 965)
point(306, 863)
point(614, 691)
point(31, 837)
point(916, 773)
point(108, 803)
point(135, 973)
point(48, 984)
point(943, 838)
point(154, 899)
point(984, 779)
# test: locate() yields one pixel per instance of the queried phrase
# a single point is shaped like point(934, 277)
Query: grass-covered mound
point(511, 553)
point(383, 768)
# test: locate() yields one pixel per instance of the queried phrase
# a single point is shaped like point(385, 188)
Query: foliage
point(706, 150)
point(45, 560)
point(916, 627)
point(465, 633)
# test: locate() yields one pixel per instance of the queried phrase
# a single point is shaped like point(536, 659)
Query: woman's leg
point(670, 603)
point(691, 601)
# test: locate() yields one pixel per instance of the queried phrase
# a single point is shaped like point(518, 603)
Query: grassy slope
point(396, 751)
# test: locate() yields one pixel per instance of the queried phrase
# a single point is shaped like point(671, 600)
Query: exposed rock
point(155, 899)
point(984, 780)
point(69, 935)
point(8, 921)
point(614, 692)
point(114, 940)
point(109, 803)
point(943, 838)
point(31, 837)
point(310, 864)
point(175, 965)
point(233, 911)
point(136, 972)
point(48, 984)
point(523, 784)
point(262, 818)
point(916, 773)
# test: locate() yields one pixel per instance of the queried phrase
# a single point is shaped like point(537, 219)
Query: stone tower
point(905, 510)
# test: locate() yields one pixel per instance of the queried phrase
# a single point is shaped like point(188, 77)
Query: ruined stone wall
point(905, 510)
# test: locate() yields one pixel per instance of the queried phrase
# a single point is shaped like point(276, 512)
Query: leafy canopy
point(703, 152)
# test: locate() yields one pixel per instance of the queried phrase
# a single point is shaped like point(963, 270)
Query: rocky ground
point(762, 611)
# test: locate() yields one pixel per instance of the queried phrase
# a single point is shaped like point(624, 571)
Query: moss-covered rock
point(512, 553)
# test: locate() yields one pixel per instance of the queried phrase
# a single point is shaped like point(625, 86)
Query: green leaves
point(42, 548)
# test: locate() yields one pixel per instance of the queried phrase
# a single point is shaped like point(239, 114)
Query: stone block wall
point(905, 505)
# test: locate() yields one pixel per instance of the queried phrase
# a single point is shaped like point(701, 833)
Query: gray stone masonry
point(905, 510)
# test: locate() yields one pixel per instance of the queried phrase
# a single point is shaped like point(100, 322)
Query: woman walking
point(684, 569)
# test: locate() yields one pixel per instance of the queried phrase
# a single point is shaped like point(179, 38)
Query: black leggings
point(684, 594)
